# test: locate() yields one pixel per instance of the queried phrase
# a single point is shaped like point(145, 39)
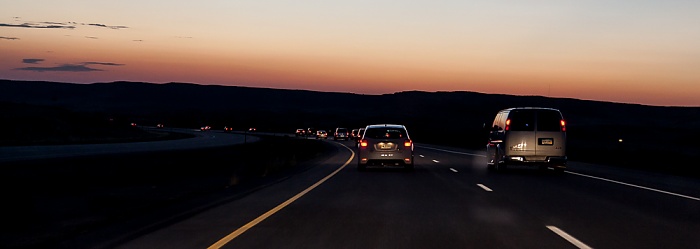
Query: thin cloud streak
point(38, 26)
point(102, 63)
point(60, 25)
point(8, 38)
point(107, 26)
point(82, 67)
point(61, 68)
point(32, 61)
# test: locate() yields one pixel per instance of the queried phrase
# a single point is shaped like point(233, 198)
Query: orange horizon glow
point(589, 55)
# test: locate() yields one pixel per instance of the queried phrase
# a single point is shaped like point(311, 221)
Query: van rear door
point(520, 132)
point(551, 138)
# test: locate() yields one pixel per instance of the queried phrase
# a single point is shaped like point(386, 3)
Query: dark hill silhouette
point(651, 134)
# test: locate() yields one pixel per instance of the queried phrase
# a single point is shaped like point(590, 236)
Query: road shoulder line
point(223, 241)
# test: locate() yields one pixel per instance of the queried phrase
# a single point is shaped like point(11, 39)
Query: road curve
point(201, 140)
point(449, 201)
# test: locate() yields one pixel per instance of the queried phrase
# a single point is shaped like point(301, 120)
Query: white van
point(532, 136)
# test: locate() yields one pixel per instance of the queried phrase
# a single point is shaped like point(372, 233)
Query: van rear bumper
point(554, 161)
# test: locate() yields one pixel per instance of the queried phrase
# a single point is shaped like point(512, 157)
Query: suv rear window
point(386, 133)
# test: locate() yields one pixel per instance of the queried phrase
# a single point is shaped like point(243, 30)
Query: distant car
point(321, 134)
point(353, 133)
point(228, 129)
point(300, 133)
point(311, 131)
point(360, 132)
point(385, 145)
point(205, 128)
point(252, 129)
point(341, 134)
point(133, 124)
point(160, 126)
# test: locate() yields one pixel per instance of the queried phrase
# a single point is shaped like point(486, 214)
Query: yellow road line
point(223, 241)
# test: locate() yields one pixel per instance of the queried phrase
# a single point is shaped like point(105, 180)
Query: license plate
point(546, 141)
point(384, 146)
point(387, 154)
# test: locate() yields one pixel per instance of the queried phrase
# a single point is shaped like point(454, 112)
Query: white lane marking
point(484, 187)
point(421, 155)
point(636, 186)
point(569, 238)
point(454, 170)
point(450, 151)
point(223, 241)
point(594, 177)
point(436, 161)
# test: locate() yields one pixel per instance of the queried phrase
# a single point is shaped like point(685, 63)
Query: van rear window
point(548, 121)
point(522, 120)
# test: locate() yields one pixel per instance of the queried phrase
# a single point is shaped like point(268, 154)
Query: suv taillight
point(363, 143)
point(508, 124)
point(407, 143)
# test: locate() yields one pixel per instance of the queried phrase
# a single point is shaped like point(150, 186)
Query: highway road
point(449, 201)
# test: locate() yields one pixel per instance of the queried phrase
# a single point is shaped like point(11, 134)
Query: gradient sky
point(630, 51)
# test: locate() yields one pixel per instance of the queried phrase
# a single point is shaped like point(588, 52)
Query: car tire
point(491, 165)
point(498, 165)
point(558, 170)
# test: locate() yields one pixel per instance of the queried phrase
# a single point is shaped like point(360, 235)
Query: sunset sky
point(630, 51)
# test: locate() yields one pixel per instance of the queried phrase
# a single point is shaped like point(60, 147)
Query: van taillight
point(508, 124)
point(407, 143)
point(563, 125)
point(363, 143)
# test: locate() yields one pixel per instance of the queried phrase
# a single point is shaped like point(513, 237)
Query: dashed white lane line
point(579, 174)
point(454, 170)
point(569, 238)
point(223, 241)
point(451, 151)
point(484, 187)
point(421, 155)
point(636, 186)
point(436, 161)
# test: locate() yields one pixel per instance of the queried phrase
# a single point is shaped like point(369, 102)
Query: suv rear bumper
point(376, 159)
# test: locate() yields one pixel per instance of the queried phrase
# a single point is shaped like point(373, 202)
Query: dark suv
point(385, 145)
point(341, 134)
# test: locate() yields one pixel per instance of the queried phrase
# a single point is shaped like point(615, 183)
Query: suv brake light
point(407, 143)
point(508, 124)
point(363, 143)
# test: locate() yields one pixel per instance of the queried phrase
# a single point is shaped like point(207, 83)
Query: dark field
point(653, 137)
point(77, 202)
point(83, 202)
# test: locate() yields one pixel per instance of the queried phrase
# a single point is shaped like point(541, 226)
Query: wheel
point(492, 164)
point(559, 170)
point(500, 167)
point(409, 167)
point(497, 164)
